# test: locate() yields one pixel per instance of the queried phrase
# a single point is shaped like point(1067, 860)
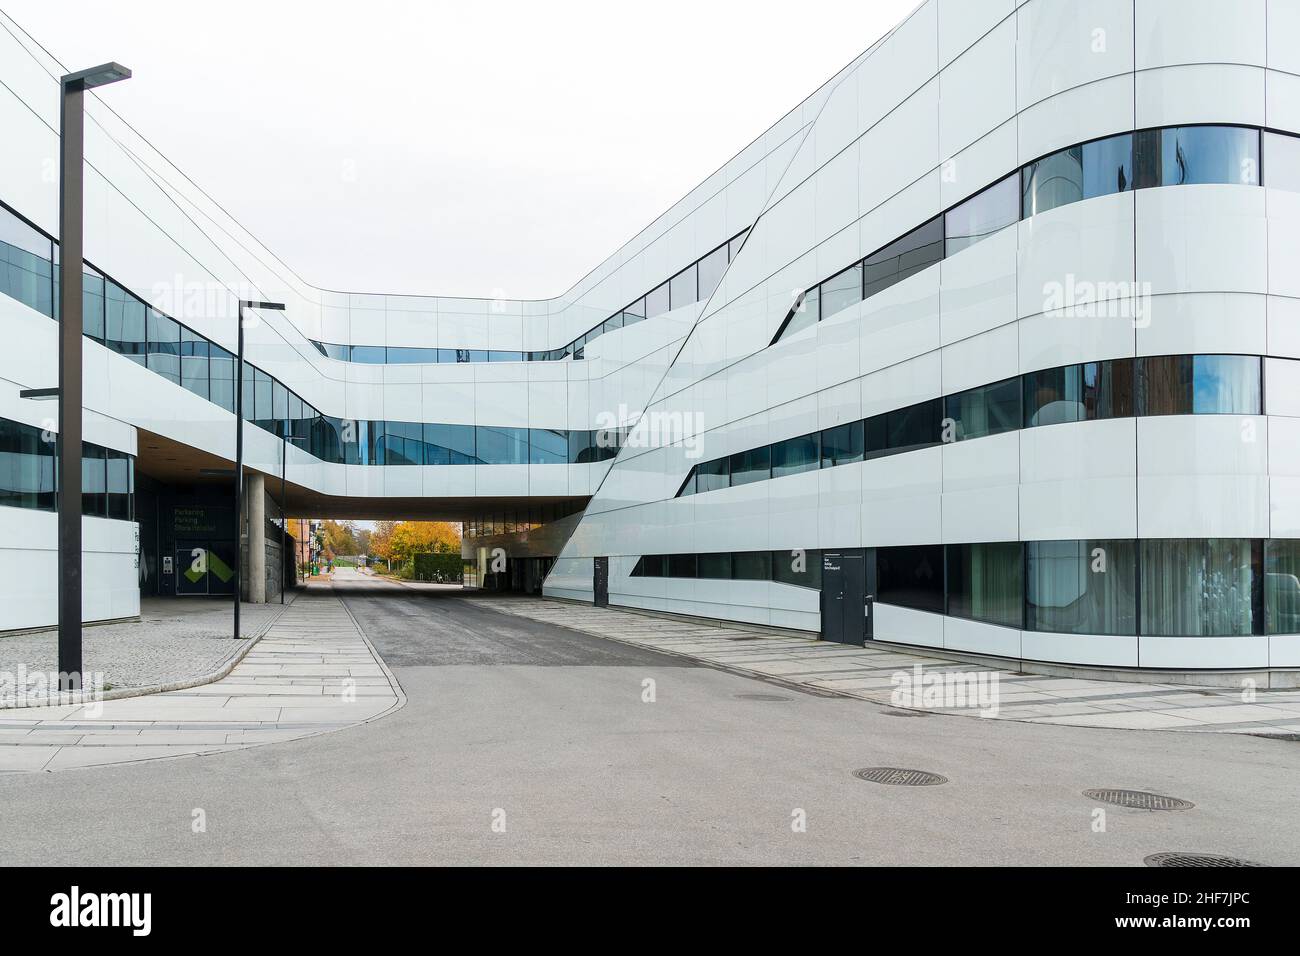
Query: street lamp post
point(239, 446)
point(72, 123)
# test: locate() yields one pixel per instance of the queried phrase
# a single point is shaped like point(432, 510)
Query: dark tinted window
point(681, 566)
point(26, 467)
point(712, 475)
point(752, 565)
point(716, 566)
point(1053, 396)
point(916, 426)
point(94, 481)
point(794, 455)
point(1199, 588)
point(987, 410)
point(842, 445)
point(911, 577)
point(1108, 389)
point(449, 445)
point(799, 567)
point(752, 465)
point(1209, 154)
point(1282, 586)
point(986, 582)
point(548, 446)
point(920, 248)
point(26, 271)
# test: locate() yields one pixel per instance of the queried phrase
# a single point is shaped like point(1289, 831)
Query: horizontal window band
point(1144, 387)
point(1147, 587)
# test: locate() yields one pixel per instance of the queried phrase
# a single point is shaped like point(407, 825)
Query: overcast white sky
point(455, 148)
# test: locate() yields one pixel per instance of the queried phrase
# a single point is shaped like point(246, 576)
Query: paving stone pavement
point(870, 673)
point(176, 639)
point(313, 672)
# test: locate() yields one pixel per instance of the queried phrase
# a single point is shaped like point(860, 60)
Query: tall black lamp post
point(72, 122)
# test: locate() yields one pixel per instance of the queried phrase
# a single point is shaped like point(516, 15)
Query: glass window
point(401, 355)
point(94, 481)
point(164, 346)
point(688, 486)
point(920, 248)
point(916, 426)
point(262, 396)
point(403, 443)
point(911, 577)
point(653, 565)
point(987, 410)
point(799, 567)
point(505, 355)
point(683, 289)
point(634, 313)
point(713, 475)
point(1199, 385)
point(794, 455)
point(612, 324)
point(1208, 154)
point(1282, 161)
point(982, 215)
point(656, 303)
point(842, 445)
point(1082, 587)
point(1198, 588)
point(1108, 389)
point(1053, 396)
point(120, 484)
point(126, 331)
point(681, 566)
point(1094, 169)
point(92, 304)
point(1282, 585)
point(986, 582)
point(733, 247)
point(194, 363)
point(279, 406)
point(26, 467)
point(716, 566)
point(712, 267)
point(26, 270)
point(581, 447)
point(750, 466)
point(221, 368)
point(841, 291)
point(449, 445)
point(548, 446)
point(501, 446)
point(752, 565)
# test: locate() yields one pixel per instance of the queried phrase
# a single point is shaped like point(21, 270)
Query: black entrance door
point(600, 582)
point(844, 596)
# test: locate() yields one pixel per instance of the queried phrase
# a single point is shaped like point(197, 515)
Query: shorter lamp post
point(239, 445)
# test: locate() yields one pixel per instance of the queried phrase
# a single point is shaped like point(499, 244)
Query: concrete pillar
point(255, 496)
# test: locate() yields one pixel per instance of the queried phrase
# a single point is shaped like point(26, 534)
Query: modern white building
point(992, 345)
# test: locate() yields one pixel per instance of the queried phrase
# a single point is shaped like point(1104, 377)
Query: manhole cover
point(1196, 860)
point(1138, 799)
point(891, 712)
point(899, 777)
point(771, 697)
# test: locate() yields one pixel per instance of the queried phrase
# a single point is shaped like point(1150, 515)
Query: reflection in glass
point(1282, 586)
point(1198, 588)
point(1082, 587)
point(982, 215)
point(986, 582)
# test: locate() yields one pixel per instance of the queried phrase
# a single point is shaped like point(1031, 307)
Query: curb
point(85, 697)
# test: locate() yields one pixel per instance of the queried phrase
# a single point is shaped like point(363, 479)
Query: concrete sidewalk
point(314, 672)
point(869, 673)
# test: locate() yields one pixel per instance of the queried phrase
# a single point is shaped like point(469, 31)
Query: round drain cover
point(1196, 860)
point(771, 697)
point(1138, 799)
point(900, 777)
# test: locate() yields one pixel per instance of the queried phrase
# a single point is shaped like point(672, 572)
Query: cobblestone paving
point(174, 640)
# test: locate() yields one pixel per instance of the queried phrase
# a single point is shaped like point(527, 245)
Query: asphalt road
point(547, 731)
